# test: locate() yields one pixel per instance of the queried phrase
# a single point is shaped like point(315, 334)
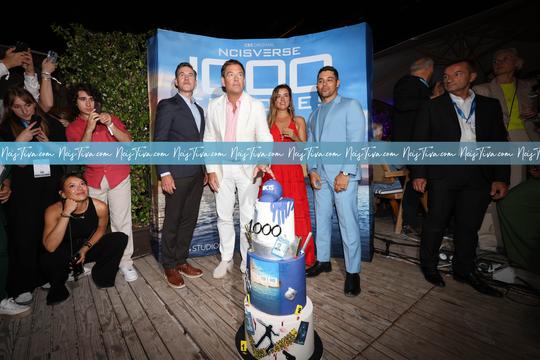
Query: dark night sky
point(391, 21)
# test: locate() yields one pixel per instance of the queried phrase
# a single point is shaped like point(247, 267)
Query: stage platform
point(397, 316)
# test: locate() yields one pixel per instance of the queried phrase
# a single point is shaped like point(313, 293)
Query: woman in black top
point(33, 189)
point(75, 226)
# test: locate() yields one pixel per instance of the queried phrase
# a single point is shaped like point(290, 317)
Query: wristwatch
point(345, 173)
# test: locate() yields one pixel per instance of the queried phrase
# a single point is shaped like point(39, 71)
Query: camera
point(74, 268)
point(52, 56)
point(21, 46)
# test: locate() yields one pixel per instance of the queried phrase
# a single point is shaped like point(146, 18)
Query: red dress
point(291, 178)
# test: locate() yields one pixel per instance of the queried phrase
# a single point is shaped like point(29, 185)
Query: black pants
point(467, 198)
point(106, 253)
point(411, 200)
point(181, 213)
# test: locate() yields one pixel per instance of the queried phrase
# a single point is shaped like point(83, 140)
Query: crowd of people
point(60, 218)
point(56, 221)
point(458, 195)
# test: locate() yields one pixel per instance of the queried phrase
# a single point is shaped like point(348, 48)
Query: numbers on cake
point(266, 229)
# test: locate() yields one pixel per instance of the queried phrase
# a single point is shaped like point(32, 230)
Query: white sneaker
point(243, 267)
point(46, 286)
point(24, 299)
point(221, 270)
point(10, 307)
point(129, 272)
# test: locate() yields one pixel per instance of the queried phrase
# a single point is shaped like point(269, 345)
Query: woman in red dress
point(286, 127)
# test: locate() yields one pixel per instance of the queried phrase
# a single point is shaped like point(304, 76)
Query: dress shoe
point(189, 271)
point(478, 284)
point(174, 279)
point(352, 284)
point(221, 270)
point(319, 267)
point(432, 276)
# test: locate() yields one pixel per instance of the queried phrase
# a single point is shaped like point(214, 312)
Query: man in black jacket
point(459, 190)
point(410, 92)
point(180, 118)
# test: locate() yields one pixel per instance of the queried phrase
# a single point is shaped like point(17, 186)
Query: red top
point(94, 173)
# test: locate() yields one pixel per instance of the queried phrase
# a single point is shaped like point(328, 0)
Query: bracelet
point(45, 73)
point(110, 128)
point(64, 215)
point(88, 244)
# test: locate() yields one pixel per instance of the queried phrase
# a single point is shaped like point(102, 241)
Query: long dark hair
point(272, 112)
point(12, 119)
point(87, 88)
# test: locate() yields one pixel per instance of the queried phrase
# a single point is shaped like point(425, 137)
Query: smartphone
point(97, 106)
point(21, 46)
point(37, 120)
point(52, 56)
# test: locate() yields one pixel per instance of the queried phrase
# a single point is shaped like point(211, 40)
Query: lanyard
point(462, 115)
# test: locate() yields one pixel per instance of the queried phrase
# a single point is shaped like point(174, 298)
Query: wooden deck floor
point(397, 316)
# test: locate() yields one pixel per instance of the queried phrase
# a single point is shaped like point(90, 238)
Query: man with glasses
point(180, 118)
point(234, 116)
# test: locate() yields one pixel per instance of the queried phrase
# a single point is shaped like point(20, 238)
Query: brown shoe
point(189, 271)
point(174, 279)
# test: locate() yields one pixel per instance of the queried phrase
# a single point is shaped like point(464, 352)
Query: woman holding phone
point(108, 183)
point(33, 190)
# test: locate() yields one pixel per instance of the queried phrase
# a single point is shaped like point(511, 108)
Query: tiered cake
point(278, 321)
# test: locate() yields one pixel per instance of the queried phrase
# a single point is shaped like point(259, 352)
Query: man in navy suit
point(464, 191)
point(410, 92)
point(180, 118)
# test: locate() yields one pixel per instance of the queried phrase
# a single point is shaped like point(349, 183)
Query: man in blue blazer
point(180, 118)
point(337, 119)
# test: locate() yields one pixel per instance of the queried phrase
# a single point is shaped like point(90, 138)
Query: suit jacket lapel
point(453, 124)
point(186, 108)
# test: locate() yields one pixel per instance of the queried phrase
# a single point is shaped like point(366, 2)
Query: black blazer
point(175, 122)
point(437, 121)
point(409, 95)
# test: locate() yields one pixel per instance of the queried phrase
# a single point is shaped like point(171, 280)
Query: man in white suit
point(234, 116)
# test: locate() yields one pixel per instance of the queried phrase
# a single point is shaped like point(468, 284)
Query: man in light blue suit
point(337, 119)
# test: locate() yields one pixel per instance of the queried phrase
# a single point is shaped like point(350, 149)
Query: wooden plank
point(64, 327)
point(9, 328)
point(371, 353)
point(386, 351)
point(152, 344)
point(113, 340)
point(133, 342)
point(484, 328)
point(167, 327)
point(22, 341)
point(330, 283)
point(410, 346)
point(438, 335)
point(40, 337)
point(207, 338)
point(333, 345)
point(88, 327)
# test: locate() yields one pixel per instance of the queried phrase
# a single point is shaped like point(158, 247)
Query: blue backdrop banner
point(268, 63)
